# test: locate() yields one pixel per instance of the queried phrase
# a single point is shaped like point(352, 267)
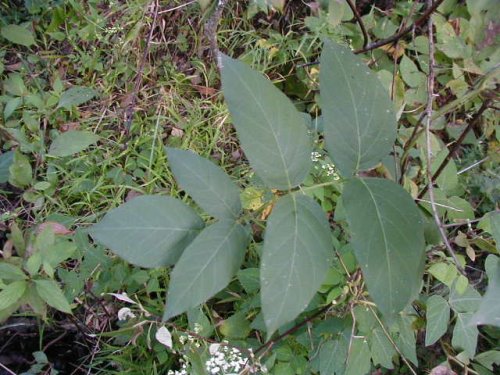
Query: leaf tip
point(169, 314)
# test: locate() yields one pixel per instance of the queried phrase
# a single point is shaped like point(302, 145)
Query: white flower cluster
point(315, 156)
point(329, 168)
point(182, 371)
point(225, 360)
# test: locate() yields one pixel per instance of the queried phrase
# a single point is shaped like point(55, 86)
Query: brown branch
point(211, 30)
point(472, 123)
point(429, 110)
point(408, 145)
point(400, 34)
point(360, 22)
point(268, 345)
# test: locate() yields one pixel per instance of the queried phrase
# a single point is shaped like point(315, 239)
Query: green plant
point(69, 158)
point(28, 278)
point(385, 226)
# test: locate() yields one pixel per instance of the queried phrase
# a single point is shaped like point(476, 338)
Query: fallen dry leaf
point(57, 228)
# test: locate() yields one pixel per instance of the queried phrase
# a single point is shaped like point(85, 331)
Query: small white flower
point(315, 156)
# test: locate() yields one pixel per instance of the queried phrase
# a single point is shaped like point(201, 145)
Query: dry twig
point(8, 370)
point(472, 123)
point(428, 124)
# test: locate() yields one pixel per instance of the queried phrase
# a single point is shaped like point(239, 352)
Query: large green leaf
point(295, 258)
point(467, 301)
point(488, 358)
point(359, 122)
point(438, 316)
point(148, 231)
point(489, 308)
point(206, 183)
point(388, 240)
point(271, 130)
point(71, 142)
point(206, 266)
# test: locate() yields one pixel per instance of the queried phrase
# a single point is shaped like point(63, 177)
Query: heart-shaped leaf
point(438, 317)
point(332, 356)
point(465, 334)
point(381, 349)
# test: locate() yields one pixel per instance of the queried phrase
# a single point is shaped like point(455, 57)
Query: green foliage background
point(315, 172)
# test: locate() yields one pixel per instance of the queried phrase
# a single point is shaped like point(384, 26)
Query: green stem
point(313, 187)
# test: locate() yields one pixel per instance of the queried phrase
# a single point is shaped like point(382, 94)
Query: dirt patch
point(65, 344)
